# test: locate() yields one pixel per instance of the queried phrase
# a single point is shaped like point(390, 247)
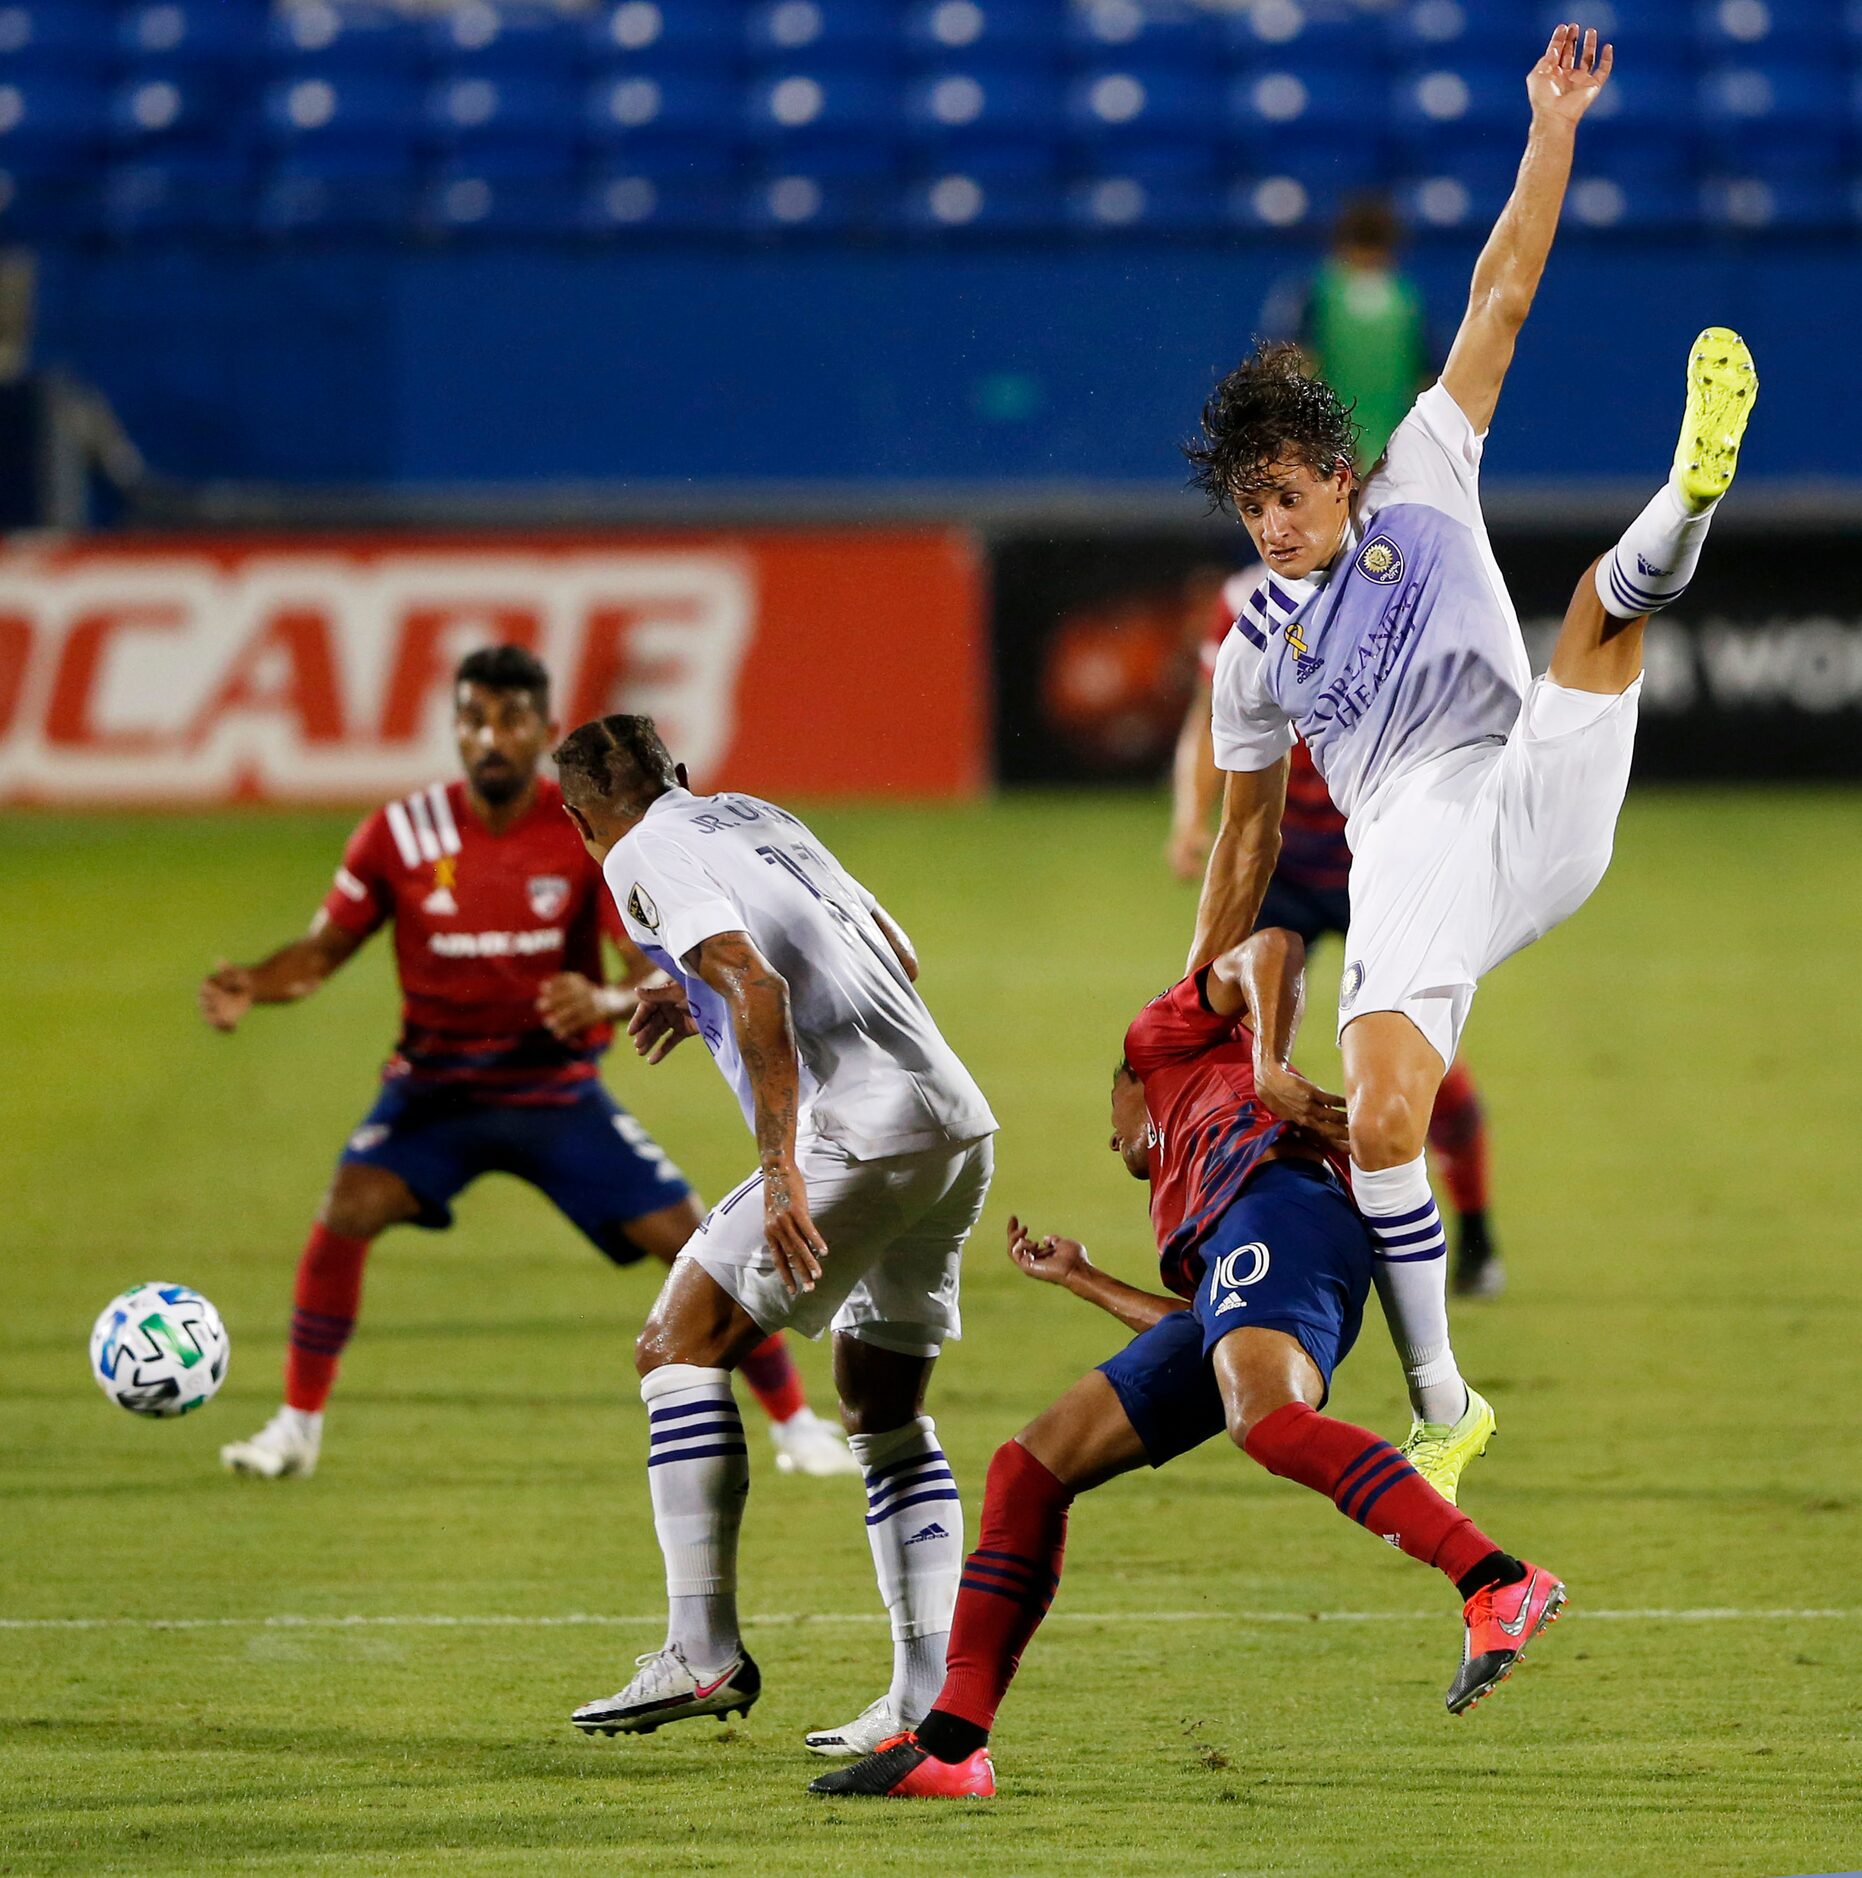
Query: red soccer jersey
point(1314, 853)
point(1208, 1130)
point(480, 921)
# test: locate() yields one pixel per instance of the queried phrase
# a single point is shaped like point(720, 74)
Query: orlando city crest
point(1381, 560)
point(1305, 663)
point(549, 894)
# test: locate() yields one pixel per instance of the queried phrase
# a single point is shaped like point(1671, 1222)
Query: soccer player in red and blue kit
point(1310, 895)
point(499, 917)
point(1269, 1264)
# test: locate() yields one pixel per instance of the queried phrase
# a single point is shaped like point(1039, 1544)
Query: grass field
point(371, 1671)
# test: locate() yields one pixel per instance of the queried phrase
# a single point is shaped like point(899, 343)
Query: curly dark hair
point(1269, 409)
point(506, 668)
point(618, 760)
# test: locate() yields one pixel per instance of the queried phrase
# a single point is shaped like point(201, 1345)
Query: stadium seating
point(919, 118)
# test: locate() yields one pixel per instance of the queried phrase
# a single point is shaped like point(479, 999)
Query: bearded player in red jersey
point(1269, 1265)
point(499, 915)
point(1310, 895)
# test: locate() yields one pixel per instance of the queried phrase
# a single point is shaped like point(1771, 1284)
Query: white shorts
point(894, 1229)
point(1470, 857)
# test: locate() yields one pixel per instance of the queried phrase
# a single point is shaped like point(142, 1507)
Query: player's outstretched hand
point(1051, 1260)
point(569, 1004)
point(796, 1246)
point(1317, 1111)
point(226, 995)
point(662, 1020)
point(1565, 83)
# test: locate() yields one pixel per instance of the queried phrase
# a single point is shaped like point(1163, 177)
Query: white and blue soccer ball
point(159, 1350)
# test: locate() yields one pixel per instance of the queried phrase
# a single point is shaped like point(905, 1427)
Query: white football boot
point(667, 1689)
point(805, 1444)
point(287, 1444)
point(878, 1721)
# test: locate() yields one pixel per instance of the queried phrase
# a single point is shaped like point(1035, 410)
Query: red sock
point(774, 1380)
point(1458, 1134)
point(1369, 1481)
point(328, 1296)
point(1008, 1583)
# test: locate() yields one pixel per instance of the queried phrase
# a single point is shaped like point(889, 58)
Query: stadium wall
point(510, 365)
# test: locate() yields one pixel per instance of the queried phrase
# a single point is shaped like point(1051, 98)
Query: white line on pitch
point(433, 1620)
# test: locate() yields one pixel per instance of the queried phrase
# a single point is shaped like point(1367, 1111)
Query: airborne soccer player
point(874, 1150)
point(498, 919)
point(1269, 1265)
point(1310, 895)
point(1481, 803)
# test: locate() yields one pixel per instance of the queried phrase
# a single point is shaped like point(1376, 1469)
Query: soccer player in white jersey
point(1482, 803)
point(874, 1154)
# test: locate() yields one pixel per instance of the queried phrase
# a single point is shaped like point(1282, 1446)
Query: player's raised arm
point(1266, 977)
point(294, 971)
point(1242, 861)
point(757, 996)
point(1561, 88)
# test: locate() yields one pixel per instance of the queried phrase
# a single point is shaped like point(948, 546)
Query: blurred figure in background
point(59, 438)
point(1309, 895)
point(1360, 322)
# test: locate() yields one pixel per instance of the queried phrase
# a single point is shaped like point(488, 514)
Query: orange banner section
point(317, 670)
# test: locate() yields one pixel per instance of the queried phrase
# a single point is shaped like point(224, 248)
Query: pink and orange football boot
point(1502, 1620)
point(899, 1769)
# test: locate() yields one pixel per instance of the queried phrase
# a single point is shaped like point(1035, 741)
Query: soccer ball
point(159, 1350)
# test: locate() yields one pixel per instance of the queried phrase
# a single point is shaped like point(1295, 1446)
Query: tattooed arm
point(757, 996)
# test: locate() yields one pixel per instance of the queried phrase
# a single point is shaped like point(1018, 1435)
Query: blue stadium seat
point(1275, 202)
point(1459, 193)
point(344, 191)
point(370, 40)
point(45, 198)
point(864, 31)
point(1279, 104)
point(188, 192)
point(630, 104)
point(1790, 119)
point(960, 202)
point(1026, 30)
point(1142, 32)
point(703, 34)
point(1306, 32)
point(1733, 29)
point(1641, 26)
point(507, 37)
point(1438, 105)
point(1137, 103)
point(166, 107)
point(507, 189)
point(982, 103)
point(46, 111)
point(475, 105)
point(1631, 201)
point(185, 33)
point(1752, 204)
point(1423, 31)
point(624, 201)
point(802, 200)
point(1120, 203)
point(832, 100)
point(54, 36)
point(341, 109)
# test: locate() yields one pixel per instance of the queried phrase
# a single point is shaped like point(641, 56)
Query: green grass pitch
point(377, 1665)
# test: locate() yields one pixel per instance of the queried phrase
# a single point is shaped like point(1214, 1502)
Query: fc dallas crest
point(549, 894)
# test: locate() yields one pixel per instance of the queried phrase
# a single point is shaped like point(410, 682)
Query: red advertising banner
point(311, 669)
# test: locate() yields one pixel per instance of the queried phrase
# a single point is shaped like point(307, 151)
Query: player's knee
point(1247, 1413)
point(362, 1202)
point(1388, 1127)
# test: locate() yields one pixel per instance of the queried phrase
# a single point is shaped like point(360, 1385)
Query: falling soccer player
point(1269, 1265)
point(874, 1151)
point(498, 916)
point(1481, 802)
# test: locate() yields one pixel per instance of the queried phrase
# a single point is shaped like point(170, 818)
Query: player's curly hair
point(1269, 409)
point(619, 759)
point(506, 668)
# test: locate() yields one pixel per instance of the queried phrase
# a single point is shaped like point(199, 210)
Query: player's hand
point(1051, 1260)
point(661, 1021)
point(796, 1246)
point(1187, 851)
point(1314, 1110)
point(225, 995)
point(1565, 83)
point(570, 1004)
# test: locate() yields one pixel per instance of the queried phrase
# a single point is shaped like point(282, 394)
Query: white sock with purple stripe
point(698, 1474)
point(1409, 1261)
point(914, 1521)
point(1653, 563)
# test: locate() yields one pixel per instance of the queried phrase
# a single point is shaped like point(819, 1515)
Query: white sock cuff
point(918, 1435)
point(1391, 1189)
point(672, 1378)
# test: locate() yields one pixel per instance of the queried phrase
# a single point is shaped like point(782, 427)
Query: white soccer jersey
point(877, 1076)
point(1406, 647)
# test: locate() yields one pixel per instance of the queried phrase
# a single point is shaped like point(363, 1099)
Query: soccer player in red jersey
point(498, 917)
point(1269, 1265)
point(1310, 895)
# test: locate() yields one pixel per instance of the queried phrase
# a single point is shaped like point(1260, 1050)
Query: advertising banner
point(1755, 674)
point(816, 663)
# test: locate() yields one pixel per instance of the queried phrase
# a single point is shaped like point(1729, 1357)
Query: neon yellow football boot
point(1440, 1450)
point(1722, 386)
